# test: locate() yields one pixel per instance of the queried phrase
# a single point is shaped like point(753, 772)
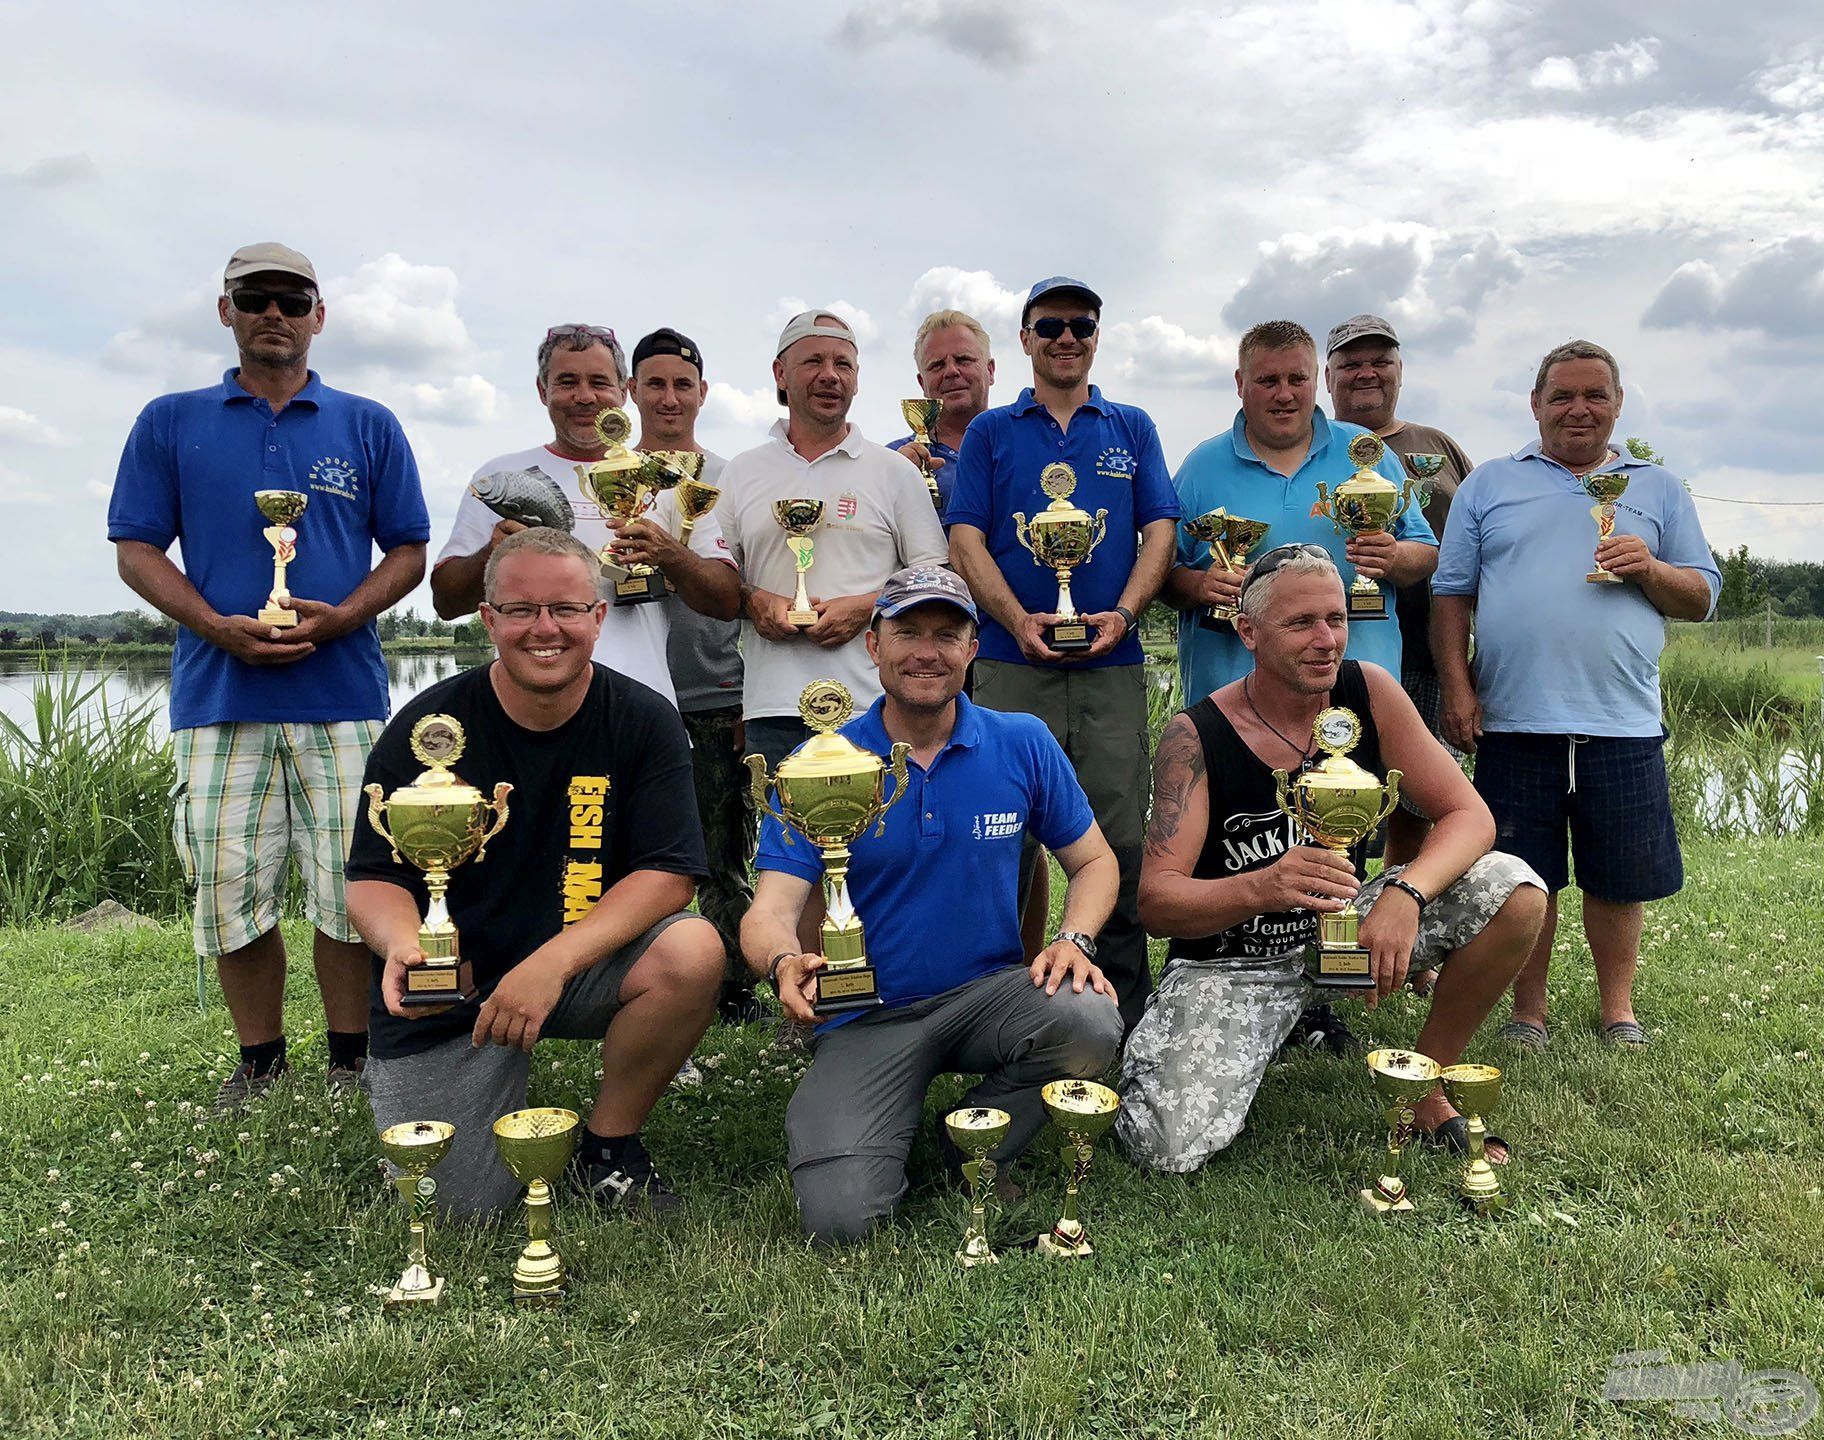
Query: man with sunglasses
point(573, 925)
point(1094, 702)
point(582, 371)
point(271, 724)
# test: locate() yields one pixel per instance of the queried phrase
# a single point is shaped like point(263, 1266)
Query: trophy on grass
point(1083, 1111)
point(1401, 1079)
point(536, 1145)
point(437, 822)
point(831, 790)
point(799, 518)
point(1473, 1091)
point(1061, 537)
point(1605, 489)
point(414, 1148)
point(1364, 504)
point(922, 416)
point(281, 509)
point(1230, 538)
point(1337, 804)
point(976, 1131)
point(695, 497)
point(625, 484)
point(1424, 469)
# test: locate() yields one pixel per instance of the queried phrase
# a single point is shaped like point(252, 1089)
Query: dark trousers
point(726, 809)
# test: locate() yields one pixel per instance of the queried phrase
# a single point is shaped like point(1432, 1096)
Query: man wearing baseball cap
point(271, 724)
point(955, 997)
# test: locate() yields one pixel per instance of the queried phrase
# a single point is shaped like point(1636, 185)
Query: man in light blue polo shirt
point(1562, 706)
point(956, 366)
point(957, 992)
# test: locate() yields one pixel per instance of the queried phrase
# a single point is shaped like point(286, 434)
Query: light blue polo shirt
point(938, 893)
point(1120, 467)
point(188, 474)
point(945, 474)
point(1556, 655)
point(1225, 471)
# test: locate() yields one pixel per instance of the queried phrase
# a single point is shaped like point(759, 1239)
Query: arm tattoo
point(1177, 771)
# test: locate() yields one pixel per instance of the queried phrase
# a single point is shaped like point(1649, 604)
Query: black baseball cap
point(666, 341)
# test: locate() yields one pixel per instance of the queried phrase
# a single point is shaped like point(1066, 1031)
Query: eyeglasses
point(524, 612)
point(1082, 326)
point(1276, 557)
point(293, 304)
point(594, 332)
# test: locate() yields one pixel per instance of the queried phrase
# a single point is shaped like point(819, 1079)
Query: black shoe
point(626, 1183)
point(243, 1087)
point(1320, 1028)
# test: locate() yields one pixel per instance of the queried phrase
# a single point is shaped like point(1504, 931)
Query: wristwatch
point(1127, 615)
point(772, 971)
point(1085, 943)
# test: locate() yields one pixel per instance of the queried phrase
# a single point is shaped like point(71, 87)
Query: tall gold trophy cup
point(536, 1145)
point(437, 822)
point(1061, 537)
point(1474, 1091)
point(625, 484)
point(414, 1148)
point(1401, 1079)
point(1364, 504)
point(831, 790)
point(976, 1131)
point(1230, 538)
point(1337, 804)
point(1605, 489)
point(921, 418)
point(696, 498)
point(799, 518)
point(281, 509)
point(1083, 1111)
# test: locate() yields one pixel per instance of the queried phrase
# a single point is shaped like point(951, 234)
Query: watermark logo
point(1761, 1402)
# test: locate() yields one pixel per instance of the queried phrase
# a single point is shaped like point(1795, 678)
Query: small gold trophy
point(437, 822)
point(1061, 537)
point(1083, 1111)
point(1474, 1091)
point(536, 1145)
point(1605, 489)
point(1338, 804)
point(1364, 504)
point(976, 1131)
point(415, 1147)
point(922, 416)
point(799, 518)
point(695, 498)
point(625, 484)
point(1401, 1079)
point(282, 508)
point(1230, 538)
point(1424, 469)
point(831, 790)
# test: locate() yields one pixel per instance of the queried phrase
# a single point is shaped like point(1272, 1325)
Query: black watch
point(1085, 943)
point(772, 971)
point(1127, 615)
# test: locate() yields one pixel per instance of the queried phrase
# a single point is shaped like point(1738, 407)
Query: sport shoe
point(243, 1087)
point(628, 1183)
point(1320, 1028)
point(793, 1037)
point(689, 1077)
point(346, 1079)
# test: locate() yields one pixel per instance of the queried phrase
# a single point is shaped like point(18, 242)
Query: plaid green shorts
point(251, 796)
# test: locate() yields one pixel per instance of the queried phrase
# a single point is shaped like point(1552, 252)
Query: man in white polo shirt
point(581, 372)
point(877, 518)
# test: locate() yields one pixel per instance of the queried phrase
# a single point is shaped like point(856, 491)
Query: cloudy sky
point(1494, 176)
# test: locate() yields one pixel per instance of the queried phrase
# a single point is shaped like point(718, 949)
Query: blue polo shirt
point(938, 893)
point(945, 474)
point(1120, 468)
point(1556, 655)
point(1225, 471)
point(188, 474)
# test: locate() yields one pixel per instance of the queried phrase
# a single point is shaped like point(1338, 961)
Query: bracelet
point(772, 971)
point(1412, 890)
point(1127, 615)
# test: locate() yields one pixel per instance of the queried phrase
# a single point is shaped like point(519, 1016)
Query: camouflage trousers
point(1197, 1057)
point(726, 810)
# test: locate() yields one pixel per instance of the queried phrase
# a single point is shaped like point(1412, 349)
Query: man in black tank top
point(1227, 879)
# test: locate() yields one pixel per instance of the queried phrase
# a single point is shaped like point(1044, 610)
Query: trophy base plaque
point(1368, 604)
point(284, 619)
point(1067, 1241)
point(1598, 576)
point(1068, 636)
point(441, 980)
point(801, 618)
point(1385, 1200)
point(1222, 621)
point(637, 589)
point(1339, 967)
point(403, 1296)
point(842, 990)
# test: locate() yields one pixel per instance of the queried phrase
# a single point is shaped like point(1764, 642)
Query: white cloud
point(51, 172)
point(858, 319)
point(1623, 63)
point(1156, 351)
point(466, 400)
point(393, 313)
point(28, 429)
point(974, 292)
point(1795, 84)
point(1778, 292)
point(729, 408)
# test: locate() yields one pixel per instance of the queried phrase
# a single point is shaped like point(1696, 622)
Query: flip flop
point(1523, 1035)
point(1625, 1032)
point(1452, 1135)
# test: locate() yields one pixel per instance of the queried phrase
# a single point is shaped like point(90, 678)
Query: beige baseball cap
point(268, 256)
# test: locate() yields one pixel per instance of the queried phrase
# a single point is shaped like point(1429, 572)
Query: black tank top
point(1248, 830)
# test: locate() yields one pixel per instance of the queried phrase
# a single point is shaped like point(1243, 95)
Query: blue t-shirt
point(1115, 451)
point(188, 474)
point(944, 474)
point(1556, 655)
point(938, 893)
point(1225, 471)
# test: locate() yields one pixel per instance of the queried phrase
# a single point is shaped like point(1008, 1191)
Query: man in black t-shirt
point(573, 924)
point(1225, 876)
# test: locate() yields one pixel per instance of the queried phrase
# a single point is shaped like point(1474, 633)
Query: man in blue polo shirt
point(272, 723)
point(1562, 707)
point(1093, 701)
point(956, 996)
point(955, 365)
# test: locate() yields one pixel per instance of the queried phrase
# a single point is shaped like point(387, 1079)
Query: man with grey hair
point(954, 366)
point(1234, 888)
point(1562, 705)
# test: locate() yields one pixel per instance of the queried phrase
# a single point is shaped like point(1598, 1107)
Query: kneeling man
point(1229, 881)
point(938, 893)
point(573, 924)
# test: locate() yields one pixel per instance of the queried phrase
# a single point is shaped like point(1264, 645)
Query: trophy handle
point(376, 812)
point(1023, 533)
point(1095, 538)
point(756, 770)
point(1392, 796)
point(900, 751)
point(501, 791)
point(1406, 493)
point(1279, 792)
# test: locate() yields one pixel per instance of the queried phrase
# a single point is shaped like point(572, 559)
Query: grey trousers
point(851, 1121)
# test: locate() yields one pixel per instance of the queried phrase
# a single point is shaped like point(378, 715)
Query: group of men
point(621, 729)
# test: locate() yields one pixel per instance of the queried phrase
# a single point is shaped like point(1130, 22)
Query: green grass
point(163, 1274)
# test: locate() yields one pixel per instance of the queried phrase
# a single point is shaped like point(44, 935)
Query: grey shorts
point(1427, 696)
point(1198, 1055)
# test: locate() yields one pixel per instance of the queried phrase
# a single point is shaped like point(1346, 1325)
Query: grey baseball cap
point(920, 585)
point(267, 256)
point(1359, 327)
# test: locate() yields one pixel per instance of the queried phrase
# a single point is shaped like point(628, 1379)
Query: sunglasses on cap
point(568, 332)
point(293, 304)
point(1276, 557)
point(1081, 326)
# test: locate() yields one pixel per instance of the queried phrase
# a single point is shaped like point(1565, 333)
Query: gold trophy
point(831, 791)
point(976, 1131)
point(625, 484)
point(415, 1147)
point(1061, 537)
point(695, 498)
point(1337, 804)
point(1424, 469)
point(437, 822)
point(1364, 504)
point(1401, 1079)
point(536, 1145)
point(1605, 489)
point(799, 518)
point(1475, 1090)
point(1230, 538)
point(1083, 1111)
point(282, 508)
point(922, 416)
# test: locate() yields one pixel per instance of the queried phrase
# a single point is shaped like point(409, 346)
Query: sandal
point(1523, 1035)
point(1452, 1136)
point(1625, 1032)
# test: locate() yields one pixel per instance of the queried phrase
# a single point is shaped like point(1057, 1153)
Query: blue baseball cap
point(1054, 285)
point(920, 585)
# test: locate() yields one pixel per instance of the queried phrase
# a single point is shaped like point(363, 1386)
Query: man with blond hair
point(955, 366)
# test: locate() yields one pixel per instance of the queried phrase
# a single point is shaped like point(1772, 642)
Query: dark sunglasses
point(569, 332)
point(1276, 557)
point(293, 304)
point(1082, 326)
